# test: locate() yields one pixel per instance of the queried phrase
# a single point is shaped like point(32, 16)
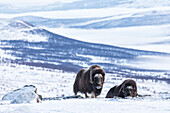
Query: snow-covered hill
point(135, 18)
point(145, 27)
point(39, 47)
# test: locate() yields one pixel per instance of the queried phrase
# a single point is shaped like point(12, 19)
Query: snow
point(118, 36)
point(139, 37)
point(88, 13)
point(28, 3)
point(152, 62)
point(25, 94)
point(150, 37)
point(92, 105)
point(12, 34)
point(17, 35)
point(17, 32)
point(47, 81)
point(52, 83)
point(56, 83)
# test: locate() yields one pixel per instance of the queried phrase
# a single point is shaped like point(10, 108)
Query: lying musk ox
point(127, 88)
point(89, 81)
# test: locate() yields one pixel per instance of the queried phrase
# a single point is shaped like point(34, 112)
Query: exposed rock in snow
point(63, 97)
point(26, 94)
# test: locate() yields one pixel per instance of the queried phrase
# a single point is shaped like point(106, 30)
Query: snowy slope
point(128, 19)
point(145, 28)
point(153, 38)
point(39, 47)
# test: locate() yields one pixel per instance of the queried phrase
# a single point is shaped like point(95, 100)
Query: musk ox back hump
point(78, 80)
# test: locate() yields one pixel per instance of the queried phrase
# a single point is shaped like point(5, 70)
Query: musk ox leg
point(75, 88)
point(86, 95)
point(94, 95)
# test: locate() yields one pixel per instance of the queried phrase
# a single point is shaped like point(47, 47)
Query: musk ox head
point(97, 77)
point(128, 88)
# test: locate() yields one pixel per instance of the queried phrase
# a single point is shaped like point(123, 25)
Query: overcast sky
point(32, 2)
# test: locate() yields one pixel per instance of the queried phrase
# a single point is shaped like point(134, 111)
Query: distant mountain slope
point(59, 52)
point(84, 4)
point(145, 18)
point(141, 19)
point(47, 22)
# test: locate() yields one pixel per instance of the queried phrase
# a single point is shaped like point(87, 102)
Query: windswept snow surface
point(92, 105)
point(55, 83)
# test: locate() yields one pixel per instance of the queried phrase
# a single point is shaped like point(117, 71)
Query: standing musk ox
point(89, 81)
point(127, 88)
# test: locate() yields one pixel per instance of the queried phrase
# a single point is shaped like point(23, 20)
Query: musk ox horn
point(122, 88)
point(91, 80)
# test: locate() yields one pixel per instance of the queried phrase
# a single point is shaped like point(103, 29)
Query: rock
point(26, 94)
point(63, 97)
point(73, 97)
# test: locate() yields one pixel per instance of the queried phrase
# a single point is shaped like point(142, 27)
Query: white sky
point(32, 2)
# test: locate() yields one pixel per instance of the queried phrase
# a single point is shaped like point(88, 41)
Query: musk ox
point(127, 88)
point(89, 81)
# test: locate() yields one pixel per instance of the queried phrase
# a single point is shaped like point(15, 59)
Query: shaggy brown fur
point(89, 81)
point(127, 88)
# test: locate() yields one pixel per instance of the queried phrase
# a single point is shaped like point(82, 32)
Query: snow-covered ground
point(91, 105)
point(55, 83)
